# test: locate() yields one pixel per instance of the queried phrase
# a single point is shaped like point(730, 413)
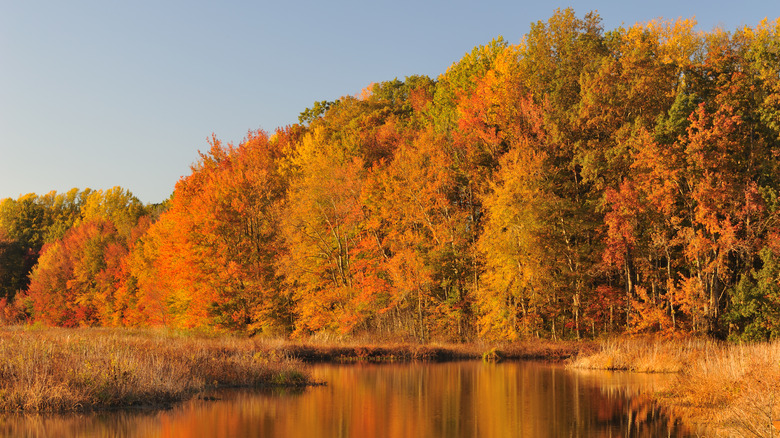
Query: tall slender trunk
point(628, 268)
point(420, 315)
point(670, 287)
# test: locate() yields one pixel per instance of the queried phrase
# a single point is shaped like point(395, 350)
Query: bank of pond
point(67, 378)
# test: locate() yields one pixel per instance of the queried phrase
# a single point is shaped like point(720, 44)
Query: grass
point(722, 389)
point(332, 351)
point(85, 369)
point(644, 355)
point(733, 390)
point(55, 369)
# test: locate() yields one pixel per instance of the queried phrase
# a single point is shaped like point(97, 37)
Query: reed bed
point(721, 389)
point(733, 390)
point(359, 352)
point(86, 369)
point(545, 350)
point(644, 355)
point(365, 351)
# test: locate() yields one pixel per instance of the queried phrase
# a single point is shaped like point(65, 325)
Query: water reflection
point(464, 399)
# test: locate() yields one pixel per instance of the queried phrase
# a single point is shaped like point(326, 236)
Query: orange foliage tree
point(76, 278)
point(211, 253)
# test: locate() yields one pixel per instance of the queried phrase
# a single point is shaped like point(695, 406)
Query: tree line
point(579, 183)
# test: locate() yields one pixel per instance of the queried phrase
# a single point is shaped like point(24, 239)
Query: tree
point(116, 204)
point(426, 240)
point(211, 253)
point(69, 286)
point(26, 224)
point(333, 263)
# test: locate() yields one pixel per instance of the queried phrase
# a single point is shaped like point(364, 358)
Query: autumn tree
point(554, 57)
point(76, 277)
point(211, 253)
point(26, 224)
point(333, 263)
point(427, 244)
point(66, 287)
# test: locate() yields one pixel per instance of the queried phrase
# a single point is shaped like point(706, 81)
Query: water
point(459, 399)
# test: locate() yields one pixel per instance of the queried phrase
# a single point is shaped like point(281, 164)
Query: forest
point(580, 183)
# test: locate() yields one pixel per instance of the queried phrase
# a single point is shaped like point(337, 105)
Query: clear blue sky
point(104, 93)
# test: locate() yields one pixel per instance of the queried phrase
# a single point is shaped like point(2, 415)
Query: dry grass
point(348, 352)
point(644, 355)
point(315, 350)
point(82, 369)
point(733, 390)
point(545, 350)
point(722, 389)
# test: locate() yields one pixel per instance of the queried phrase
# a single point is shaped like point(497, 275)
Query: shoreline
point(87, 369)
point(78, 370)
point(538, 350)
point(721, 388)
point(90, 369)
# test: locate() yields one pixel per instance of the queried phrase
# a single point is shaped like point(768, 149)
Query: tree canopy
point(581, 182)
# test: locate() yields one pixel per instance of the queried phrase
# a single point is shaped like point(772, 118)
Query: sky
point(97, 94)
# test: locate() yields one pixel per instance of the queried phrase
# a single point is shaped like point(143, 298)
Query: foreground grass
point(723, 389)
point(83, 369)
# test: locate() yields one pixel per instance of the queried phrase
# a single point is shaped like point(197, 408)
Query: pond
point(455, 399)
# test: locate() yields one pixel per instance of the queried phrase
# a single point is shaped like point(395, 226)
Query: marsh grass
point(55, 369)
point(644, 355)
point(722, 389)
point(733, 390)
point(84, 369)
point(314, 350)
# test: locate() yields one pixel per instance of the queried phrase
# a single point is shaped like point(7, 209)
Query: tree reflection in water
point(459, 399)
